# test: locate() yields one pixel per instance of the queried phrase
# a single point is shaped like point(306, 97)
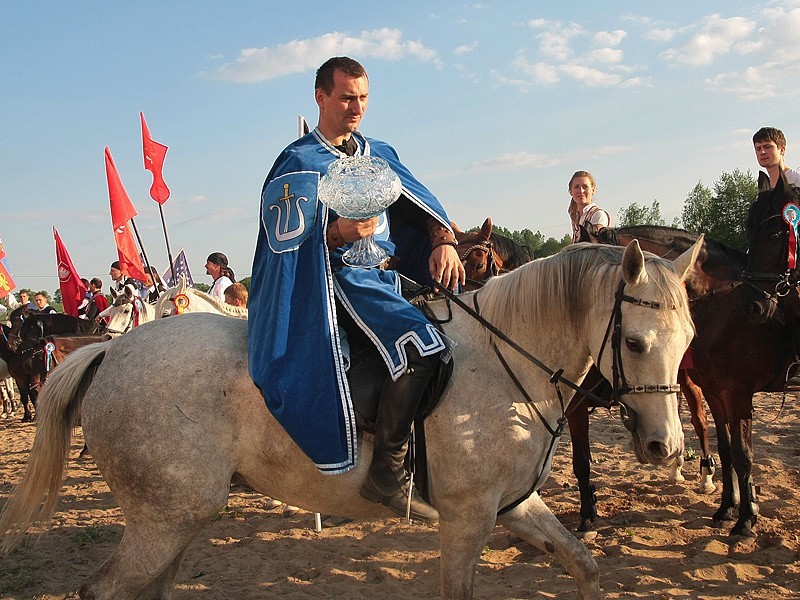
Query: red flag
point(72, 289)
point(154, 153)
point(122, 211)
point(2, 250)
point(6, 281)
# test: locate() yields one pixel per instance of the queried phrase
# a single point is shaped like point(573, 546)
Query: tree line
point(719, 211)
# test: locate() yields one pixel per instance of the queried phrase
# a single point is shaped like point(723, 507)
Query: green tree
point(641, 215)
point(202, 287)
point(539, 246)
point(246, 283)
point(57, 297)
point(721, 214)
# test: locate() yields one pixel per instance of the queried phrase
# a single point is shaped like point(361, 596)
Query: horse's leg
point(533, 522)
point(730, 492)
point(742, 453)
point(578, 419)
point(157, 532)
point(675, 474)
point(694, 400)
point(24, 398)
point(462, 541)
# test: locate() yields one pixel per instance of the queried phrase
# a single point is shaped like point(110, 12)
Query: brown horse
point(734, 355)
point(485, 253)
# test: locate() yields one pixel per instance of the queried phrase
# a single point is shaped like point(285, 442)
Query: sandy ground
point(655, 539)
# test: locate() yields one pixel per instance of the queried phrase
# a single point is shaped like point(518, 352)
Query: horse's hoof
point(272, 503)
point(706, 489)
point(723, 514)
point(743, 529)
point(586, 526)
point(586, 536)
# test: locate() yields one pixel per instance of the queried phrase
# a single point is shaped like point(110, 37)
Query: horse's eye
point(634, 345)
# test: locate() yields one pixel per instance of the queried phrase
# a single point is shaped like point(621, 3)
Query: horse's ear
point(633, 271)
point(685, 262)
point(585, 236)
point(114, 293)
point(486, 228)
point(182, 284)
point(456, 228)
point(763, 182)
point(129, 291)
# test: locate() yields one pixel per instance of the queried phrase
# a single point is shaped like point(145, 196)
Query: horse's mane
point(223, 307)
point(720, 261)
point(515, 254)
point(564, 287)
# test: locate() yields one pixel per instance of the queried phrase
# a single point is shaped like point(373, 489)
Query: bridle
point(784, 282)
point(620, 384)
point(133, 319)
point(486, 247)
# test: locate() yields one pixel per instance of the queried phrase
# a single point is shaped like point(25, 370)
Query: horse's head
point(771, 270)
point(174, 300)
point(127, 311)
point(651, 329)
point(477, 254)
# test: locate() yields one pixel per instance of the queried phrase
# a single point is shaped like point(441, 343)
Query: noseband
point(487, 247)
point(133, 320)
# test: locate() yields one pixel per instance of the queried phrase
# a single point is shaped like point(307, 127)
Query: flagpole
point(166, 238)
point(144, 254)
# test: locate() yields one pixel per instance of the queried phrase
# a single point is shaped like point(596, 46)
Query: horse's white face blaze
point(119, 319)
point(653, 341)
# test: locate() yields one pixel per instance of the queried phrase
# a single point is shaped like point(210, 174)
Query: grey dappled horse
point(169, 457)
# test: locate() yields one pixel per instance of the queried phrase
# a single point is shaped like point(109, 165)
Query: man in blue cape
point(296, 356)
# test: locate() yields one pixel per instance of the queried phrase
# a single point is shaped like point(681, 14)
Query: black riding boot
point(793, 372)
point(387, 481)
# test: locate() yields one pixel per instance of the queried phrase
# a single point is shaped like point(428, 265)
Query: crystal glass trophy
point(360, 187)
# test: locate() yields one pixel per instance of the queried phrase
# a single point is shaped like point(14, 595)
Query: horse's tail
point(33, 500)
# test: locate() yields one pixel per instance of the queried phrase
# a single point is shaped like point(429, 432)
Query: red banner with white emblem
point(72, 289)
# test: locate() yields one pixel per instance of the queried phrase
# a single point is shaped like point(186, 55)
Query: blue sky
point(492, 105)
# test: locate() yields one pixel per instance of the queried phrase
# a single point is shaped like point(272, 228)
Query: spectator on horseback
point(118, 279)
point(582, 211)
point(301, 288)
point(24, 300)
point(236, 295)
point(42, 305)
point(153, 286)
point(85, 301)
point(770, 146)
point(217, 267)
point(98, 302)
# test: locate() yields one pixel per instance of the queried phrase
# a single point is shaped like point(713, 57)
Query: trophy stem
point(364, 253)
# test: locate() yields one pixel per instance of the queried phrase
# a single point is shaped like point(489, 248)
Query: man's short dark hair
point(348, 66)
point(115, 265)
point(770, 134)
point(97, 282)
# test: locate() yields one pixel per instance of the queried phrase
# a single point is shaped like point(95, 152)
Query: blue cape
point(295, 354)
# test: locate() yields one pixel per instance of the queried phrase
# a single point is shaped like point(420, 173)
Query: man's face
point(212, 269)
point(40, 301)
point(115, 273)
point(93, 288)
point(768, 153)
point(23, 297)
point(340, 113)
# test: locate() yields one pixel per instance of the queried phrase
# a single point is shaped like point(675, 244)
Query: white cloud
point(716, 37)
point(660, 35)
point(297, 56)
point(604, 55)
point(531, 160)
point(609, 38)
point(751, 84)
point(465, 49)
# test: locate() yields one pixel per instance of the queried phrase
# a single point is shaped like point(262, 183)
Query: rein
point(620, 384)
point(487, 247)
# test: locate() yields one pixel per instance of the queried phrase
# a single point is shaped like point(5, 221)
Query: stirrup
point(792, 384)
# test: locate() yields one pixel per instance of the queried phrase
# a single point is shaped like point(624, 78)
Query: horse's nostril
point(657, 449)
